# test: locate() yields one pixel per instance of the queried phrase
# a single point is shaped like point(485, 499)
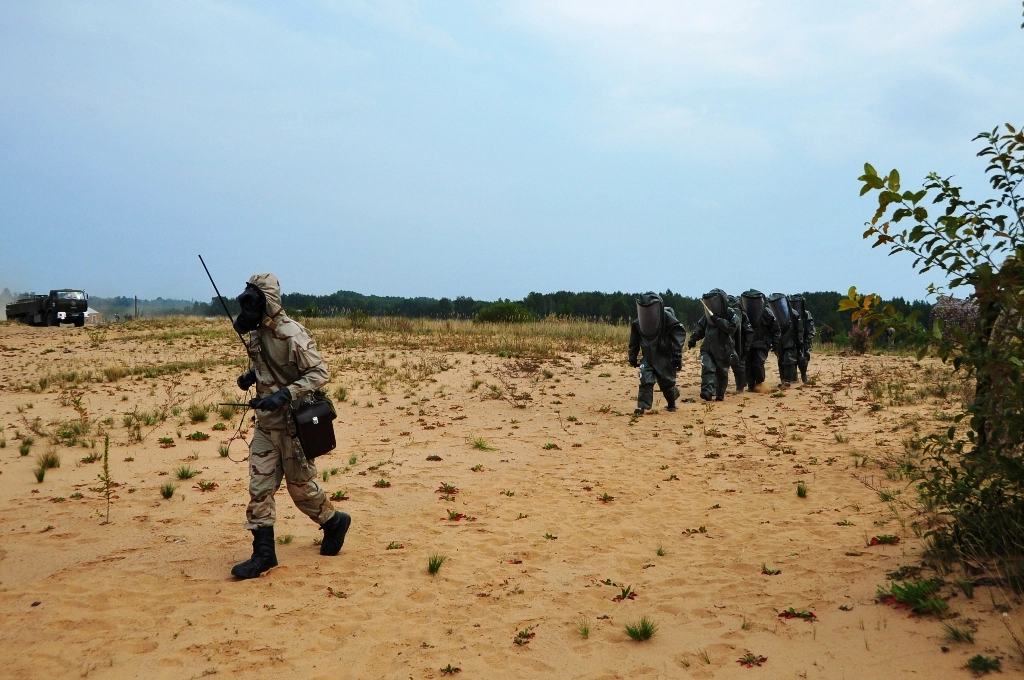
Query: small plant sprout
point(745, 625)
point(477, 468)
point(206, 486)
point(884, 539)
point(583, 626)
point(167, 490)
point(703, 654)
point(644, 629)
point(434, 458)
point(750, 660)
point(524, 636)
point(447, 488)
point(107, 484)
point(393, 545)
point(450, 670)
point(801, 489)
point(185, 472)
point(845, 523)
point(626, 593)
point(509, 493)
point(434, 563)
point(481, 444)
point(285, 540)
point(551, 446)
point(339, 496)
point(550, 537)
point(198, 436)
point(660, 552)
point(382, 483)
point(768, 571)
point(223, 450)
point(803, 614)
point(605, 498)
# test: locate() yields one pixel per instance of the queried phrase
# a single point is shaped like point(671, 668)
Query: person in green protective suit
point(717, 327)
point(805, 333)
point(788, 349)
point(765, 334)
point(741, 341)
point(658, 335)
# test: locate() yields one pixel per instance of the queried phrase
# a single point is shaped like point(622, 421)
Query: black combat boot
point(334, 533)
point(263, 555)
point(803, 374)
point(671, 406)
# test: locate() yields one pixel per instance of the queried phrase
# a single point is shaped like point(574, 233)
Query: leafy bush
point(976, 477)
point(504, 312)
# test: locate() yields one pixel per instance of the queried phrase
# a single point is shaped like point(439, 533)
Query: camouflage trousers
point(275, 455)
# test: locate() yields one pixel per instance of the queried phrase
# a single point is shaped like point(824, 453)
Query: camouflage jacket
point(284, 355)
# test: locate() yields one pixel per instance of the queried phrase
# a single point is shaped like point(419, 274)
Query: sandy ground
point(149, 595)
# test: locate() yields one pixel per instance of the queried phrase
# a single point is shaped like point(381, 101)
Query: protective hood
point(797, 304)
point(715, 303)
point(260, 301)
point(780, 308)
point(650, 311)
point(753, 306)
point(271, 288)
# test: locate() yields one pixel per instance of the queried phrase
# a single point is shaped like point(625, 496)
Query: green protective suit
point(806, 343)
point(661, 354)
point(284, 356)
point(741, 341)
point(765, 336)
point(788, 351)
point(718, 351)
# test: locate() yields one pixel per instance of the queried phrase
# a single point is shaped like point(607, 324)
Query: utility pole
point(136, 306)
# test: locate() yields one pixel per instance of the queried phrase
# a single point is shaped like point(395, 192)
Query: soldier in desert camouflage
point(286, 370)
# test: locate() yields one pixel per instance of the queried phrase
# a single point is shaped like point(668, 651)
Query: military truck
point(59, 307)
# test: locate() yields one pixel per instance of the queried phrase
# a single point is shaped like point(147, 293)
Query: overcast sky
point(482, 149)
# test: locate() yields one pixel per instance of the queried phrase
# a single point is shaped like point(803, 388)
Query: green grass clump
point(967, 586)
point(49, 460)
point(185, 472)
point(955, 633)
point(801, 489)
point(167, 490)
point(25, 448)
point(434, 563)
point(285, 540)
point(341, 393)
point(981, 665)
point(644, 629)
point(583, 626)
point(223, 450)
point(918, 596)
point(481, 444)
point(197, 412)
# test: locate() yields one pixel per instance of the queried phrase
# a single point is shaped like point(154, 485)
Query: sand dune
point(150, 596)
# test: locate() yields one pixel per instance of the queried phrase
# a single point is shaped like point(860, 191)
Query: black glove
point(247, 379)
point(633, 362)
point(677, 361)
point(691, 343)
point(273, 402)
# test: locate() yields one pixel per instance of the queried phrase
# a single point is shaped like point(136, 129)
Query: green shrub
point(504, 312)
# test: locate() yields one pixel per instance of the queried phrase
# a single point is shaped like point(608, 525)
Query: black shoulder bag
point(314, 420)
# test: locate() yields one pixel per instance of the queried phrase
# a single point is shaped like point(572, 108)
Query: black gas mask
point(254, 308)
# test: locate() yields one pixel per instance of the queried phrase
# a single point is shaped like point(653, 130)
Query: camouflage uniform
point(284, 356)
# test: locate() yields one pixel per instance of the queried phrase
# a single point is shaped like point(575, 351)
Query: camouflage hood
point(271, 288)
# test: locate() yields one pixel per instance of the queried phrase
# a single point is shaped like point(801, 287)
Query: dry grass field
point(513, 453)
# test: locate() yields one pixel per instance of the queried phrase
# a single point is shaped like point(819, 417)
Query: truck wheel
point(79, 323)
point(51, 319)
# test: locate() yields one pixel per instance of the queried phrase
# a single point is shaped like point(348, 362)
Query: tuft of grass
point(185, 472)
point(957, 633)
point(583, 626)
point(967, 586)
point(226, 412)
point(40, 473)
point(197, 412)
point(434, 562)
point(394, 545)
point(341, 393)
point(509, 492)
point(981, 665)
point(48, 460)
point(285, 540)
point(660, 552)
point(801, 489)
point(768, 571)
point(167, 490)
point(918, 596)
point(481, 444)
point(223, 450)
point(703, 654)
point(644, 629)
